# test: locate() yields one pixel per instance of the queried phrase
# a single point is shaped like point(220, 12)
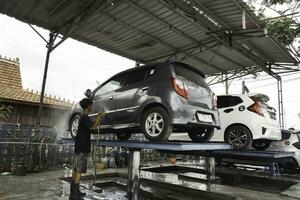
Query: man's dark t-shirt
point(83, 137)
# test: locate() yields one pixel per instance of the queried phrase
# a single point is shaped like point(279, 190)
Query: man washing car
point(82, 146)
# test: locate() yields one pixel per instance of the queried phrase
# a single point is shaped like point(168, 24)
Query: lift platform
point(135, 147)
point(208, 150)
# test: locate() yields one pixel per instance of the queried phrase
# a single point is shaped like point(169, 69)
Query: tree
point(285, 27)
point(5, 112)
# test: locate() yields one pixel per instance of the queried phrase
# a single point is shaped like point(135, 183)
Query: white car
point(290, 142)
point(247, 120)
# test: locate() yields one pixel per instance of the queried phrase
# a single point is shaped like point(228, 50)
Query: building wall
point(27, 115)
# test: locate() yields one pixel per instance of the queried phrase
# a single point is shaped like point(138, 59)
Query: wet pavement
point(48, 186)
point(154, 185)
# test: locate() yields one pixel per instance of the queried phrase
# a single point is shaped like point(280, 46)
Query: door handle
point(111, 98)
point(228, 110)
point(145, 88)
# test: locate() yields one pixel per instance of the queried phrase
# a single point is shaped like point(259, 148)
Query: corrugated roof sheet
point(207, 34)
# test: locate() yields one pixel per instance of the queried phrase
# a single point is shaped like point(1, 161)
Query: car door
point(104, 99)
point(229, 107)
point(131, 96)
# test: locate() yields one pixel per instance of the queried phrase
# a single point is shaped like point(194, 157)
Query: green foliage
point(275, 2)
point(5, 112)
point(284, 29)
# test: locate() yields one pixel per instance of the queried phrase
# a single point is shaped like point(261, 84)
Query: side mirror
point(88, 93)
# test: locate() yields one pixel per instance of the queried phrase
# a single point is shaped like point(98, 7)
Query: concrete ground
point(46, 186)
point(49, 185)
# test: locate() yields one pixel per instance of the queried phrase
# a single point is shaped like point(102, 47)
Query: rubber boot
point(82, 194)
point(74, 193)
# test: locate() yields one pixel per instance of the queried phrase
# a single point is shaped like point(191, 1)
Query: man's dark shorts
point(80, 164)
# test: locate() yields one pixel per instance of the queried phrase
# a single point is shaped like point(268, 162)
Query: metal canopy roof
point(204, 33)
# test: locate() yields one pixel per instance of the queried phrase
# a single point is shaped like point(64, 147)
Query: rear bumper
point(271, 134)
point(186, 116)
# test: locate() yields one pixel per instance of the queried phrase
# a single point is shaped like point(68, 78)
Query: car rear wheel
point(261, 145)
point(201, 134)
point(74, 125)
point(123, 136)
point(156, 124)
point(239, 137)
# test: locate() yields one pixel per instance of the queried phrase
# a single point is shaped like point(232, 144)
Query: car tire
point(201, 135)
point(74, 125)
point(239, 136)
point(156, 124)
point(261, 145)
point(123, 136)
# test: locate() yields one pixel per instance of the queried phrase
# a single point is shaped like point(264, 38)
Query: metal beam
point(132, 28)
point(259, 62)
point(176, 30)
point(241, 4)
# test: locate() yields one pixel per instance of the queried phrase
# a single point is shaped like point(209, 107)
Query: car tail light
point(179, 87)
point(256, 108)
point(214, 101)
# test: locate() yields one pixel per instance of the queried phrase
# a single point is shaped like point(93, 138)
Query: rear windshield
point(189, 74)
point(228, 101)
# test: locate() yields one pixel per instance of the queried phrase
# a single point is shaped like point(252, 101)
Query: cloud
point(73, 67)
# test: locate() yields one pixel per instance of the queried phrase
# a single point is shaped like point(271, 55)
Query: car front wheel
point(74, 125)
point(239, 137)
point(201, 134)
point(156, 124)
point(261, 145)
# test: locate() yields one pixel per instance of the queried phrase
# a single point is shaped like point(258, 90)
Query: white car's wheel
point(201, 134)
point(261, 145)
point(74, 125)
point(239, 137)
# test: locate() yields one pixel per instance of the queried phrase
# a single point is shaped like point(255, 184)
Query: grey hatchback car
point(155, 99)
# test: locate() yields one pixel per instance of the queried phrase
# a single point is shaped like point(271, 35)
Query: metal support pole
point(280, 103)
point(133, 182)
point(49, 49)
point(210, 168)
point(243, 87)
point(243, 19)
point(226, 84)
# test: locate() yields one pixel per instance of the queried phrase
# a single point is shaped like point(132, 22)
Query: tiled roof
point(10, 73)
point(15, 95)
point(11, 89)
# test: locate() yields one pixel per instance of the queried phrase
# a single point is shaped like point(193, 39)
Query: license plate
point(204, 118)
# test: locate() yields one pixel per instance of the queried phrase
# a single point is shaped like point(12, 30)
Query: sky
point(75, 67)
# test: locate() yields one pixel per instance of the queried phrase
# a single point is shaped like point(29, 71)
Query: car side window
point(135, 76)
point(228, 101)
point(113, 84)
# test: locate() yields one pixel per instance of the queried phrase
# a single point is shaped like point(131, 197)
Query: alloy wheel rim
point(75, 126)
point(238, 137)
point(154, 124)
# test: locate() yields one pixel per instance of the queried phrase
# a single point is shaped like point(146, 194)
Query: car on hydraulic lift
point(290, 142)
point(289, 165)
point(155, 99)
point(247, 120)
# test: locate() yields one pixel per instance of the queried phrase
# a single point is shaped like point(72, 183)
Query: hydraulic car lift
point(208, 150)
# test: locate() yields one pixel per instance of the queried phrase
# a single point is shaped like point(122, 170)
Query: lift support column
point(133, 181)
point(134, 147)
point(210, 168)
